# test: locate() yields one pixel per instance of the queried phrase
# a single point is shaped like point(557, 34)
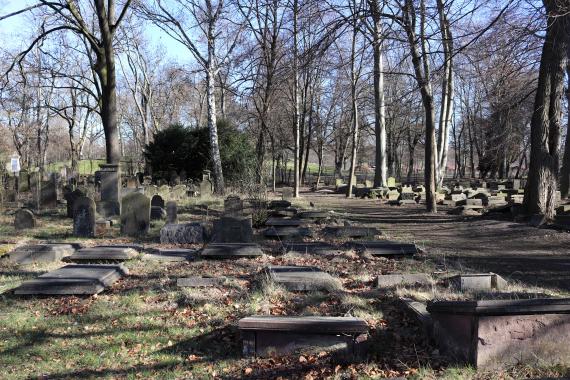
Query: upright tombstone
point(157, 200)
point(48, 195)
point(71, 197)
point(229, 229)
point(233, 206)
point(24, 219)
point(171, 212)
point(206, 187)
point(110, 175)
point(24, 181)
point(84, 217)
point(135, 214)
point(391, 182)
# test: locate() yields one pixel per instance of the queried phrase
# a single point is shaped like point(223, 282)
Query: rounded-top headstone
point(24, 219)
point(157, 201)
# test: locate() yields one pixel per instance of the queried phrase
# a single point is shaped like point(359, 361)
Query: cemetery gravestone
point(286, 193)
point(135, 214)
point(183, 233)
point(71, 197)
point(39, 253)
point(231, 250)
point(157, 213)
point(24, 219)
point(110, 189)
point(84, 217)
point(171, 212)
point(230, 229)
point(233, 206)
point(48, 197)
point(301, 278)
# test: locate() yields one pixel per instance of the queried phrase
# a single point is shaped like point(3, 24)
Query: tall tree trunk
point(380, 174)
point(213, 129)
point(565, 172)
point(353, 89)
point(546, 119)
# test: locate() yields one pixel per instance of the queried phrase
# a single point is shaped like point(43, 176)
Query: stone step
point(73, 280)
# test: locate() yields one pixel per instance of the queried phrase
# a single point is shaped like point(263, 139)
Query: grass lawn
point(146, 327)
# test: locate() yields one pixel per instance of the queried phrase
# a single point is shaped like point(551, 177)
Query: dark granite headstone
point(71, 197)
point(84, 217)
point(48, 196)
point(230, 229)
point(157, 200)
point(171, 212)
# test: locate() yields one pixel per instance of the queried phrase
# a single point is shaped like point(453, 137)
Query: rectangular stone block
point(384, 248)
point(265, 336)
point(102, 254)
point(39, 253)
point(73, 280)
point(301, 278)
point(231, 250)
point(405, 279)
point(500, 334)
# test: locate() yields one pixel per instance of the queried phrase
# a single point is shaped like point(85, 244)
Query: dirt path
point(534, 256)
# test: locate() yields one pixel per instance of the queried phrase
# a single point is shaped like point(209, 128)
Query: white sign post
point(15, 169)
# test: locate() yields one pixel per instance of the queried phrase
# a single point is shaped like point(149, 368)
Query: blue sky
point(17, 31)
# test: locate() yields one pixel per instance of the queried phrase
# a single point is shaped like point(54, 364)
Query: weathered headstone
point(229, 229)
point(48, 196)
point(391, 182)
point(135, 214)
point(84, 217)
point(233, 206)
point(206, 187)
point(110, 189)
point(171, 212)
point(24, 219)
point(71, 197)
point(183, 233)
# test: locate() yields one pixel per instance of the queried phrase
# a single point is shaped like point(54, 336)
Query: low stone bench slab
point(477, 282)
point(39, 253)
point(406, 279)
point(309, 247)
point(170, 254)
point(231, 250)
point(384, 248)
point(102, 254)
point(301, 278)
point(286, 232)
point(266, 336)
point(351, 231)
point(494, 334)
point(200, 282)
point(73, 280)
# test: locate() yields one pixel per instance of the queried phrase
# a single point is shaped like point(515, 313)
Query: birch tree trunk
point(296, 130)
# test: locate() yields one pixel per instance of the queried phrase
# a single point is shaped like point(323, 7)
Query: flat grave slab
point(265, 336)
point(102, 254)
point(477, 282)
point(301, 278)
point(286, 232)
point(284, 212)
point(231, 250)
point(39, 253)
point(283, 222)
point(351, 231)
point(136, 247)
point(309, 247)
point(405, 279)
point(384, 248)
point(200, 282)
point(276, 204)
point(170, 254)
point(73, 280)
point(501, 333)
